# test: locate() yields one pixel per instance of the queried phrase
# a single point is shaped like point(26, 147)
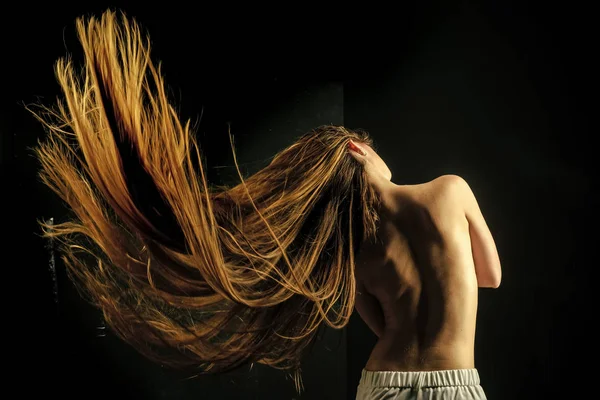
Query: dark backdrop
point(499, 93)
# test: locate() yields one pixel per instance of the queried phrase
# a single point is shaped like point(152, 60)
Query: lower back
point(432, 331)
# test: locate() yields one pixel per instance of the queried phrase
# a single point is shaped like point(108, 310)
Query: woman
point(417, 287)
point(214, 277)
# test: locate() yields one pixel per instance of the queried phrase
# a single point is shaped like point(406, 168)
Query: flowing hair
point(192, 274)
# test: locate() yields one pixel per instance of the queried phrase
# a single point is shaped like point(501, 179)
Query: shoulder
point(439, 201)
point(441, 190)
point(451, 187)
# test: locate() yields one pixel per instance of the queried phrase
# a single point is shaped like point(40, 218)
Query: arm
point(485, 254)
point(369, 309)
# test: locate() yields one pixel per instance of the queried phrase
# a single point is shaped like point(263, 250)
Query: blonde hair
point(205, 276)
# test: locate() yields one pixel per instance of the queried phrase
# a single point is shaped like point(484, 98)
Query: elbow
point(495, 284)
point(492, 281)
point(497, 278)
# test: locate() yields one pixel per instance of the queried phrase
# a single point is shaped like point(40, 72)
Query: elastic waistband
point(419, 379)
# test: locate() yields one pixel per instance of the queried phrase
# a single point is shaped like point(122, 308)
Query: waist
point(427, 328)
point(409, 350)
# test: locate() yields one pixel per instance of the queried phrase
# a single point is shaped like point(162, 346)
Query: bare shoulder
point(442, 201)
point(443, 189)
point(451, 187)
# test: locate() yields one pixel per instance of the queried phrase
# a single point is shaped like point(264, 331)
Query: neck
point(388, 192)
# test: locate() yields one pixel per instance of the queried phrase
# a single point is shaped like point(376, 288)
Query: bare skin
point(417, 284)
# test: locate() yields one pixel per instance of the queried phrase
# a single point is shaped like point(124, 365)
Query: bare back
point(421, 274)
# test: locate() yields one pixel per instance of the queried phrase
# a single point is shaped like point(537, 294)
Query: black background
point(501, 93)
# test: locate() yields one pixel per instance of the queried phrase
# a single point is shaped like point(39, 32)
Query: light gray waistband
point(418, 379)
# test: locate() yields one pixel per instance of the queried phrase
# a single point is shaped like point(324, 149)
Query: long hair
point(193, 274)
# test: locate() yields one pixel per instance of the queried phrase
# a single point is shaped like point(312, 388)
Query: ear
point(363, 156)
point(357, 151)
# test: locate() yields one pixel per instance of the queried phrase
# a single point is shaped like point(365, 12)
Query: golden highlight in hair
point(192, 274)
